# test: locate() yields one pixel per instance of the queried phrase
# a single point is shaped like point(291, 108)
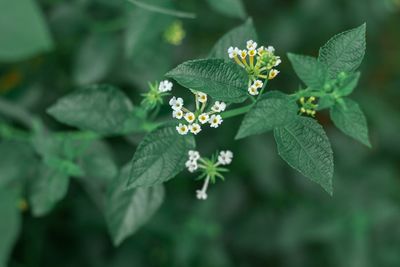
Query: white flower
point(218, 106)
point(176, 103)
point(203, 118)
point(225, 157)
point(233, 52)
point(251, 45)
point(191, 165)
point(272, 74)
point(189, 117)
point(165, 86)
point(178, 114)
point(194, 155)
point(200, 194)
point(260, 50)
point(278, 61)
point(243, 53)
point(270, 49)
point(253, 90)
point(215, 121)
point(182, 129)
point(258, 84)
point(252, 52)
point(195, 128)
point(202, 97)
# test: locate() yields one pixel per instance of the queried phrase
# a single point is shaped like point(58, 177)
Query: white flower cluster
point(209, 168)
point(165, 86)
point(261, 64)
point(194, 120)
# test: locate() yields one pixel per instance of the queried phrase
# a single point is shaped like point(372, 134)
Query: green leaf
point(127, 210)
point(236, 37)
point(344, 52)
point(10, 224)
point(350, 119)
point(221, 80)
point(348, 84)
point(230, 8)
point(163, 10)
point(274, 109)
point(312, 72)
point(12, 175)
point(95, 58)
point(304, 145)
point(23, 32)
point(100, 108)
point(47, 188)
point(160, 156)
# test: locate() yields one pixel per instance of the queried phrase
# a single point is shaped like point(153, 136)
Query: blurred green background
point(264, 214)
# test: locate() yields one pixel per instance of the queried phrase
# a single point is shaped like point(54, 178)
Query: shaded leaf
point(230, 8)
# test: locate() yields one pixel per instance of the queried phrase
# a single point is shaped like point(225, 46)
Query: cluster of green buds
point(308, 106)
point(210, 168)
point(154, 97)
point(175, 33)
point(259, 63)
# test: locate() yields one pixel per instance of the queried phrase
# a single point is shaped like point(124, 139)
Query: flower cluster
point(210, 168)
point(261, 64)
point(308, 106)
point(157, 90)
point(193, 121)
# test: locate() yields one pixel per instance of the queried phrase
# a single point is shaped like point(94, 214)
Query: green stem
point(236, 112)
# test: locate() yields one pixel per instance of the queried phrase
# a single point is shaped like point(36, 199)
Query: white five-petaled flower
point(233, 52)
point(195, 128)
point(252, 52)
point(251, 45)
point(218, 106)
point(272, 74)
point(215, 121)
point(202, 97)
point(176, 103)
point(194, 155)
point(189, 117)
point(191, 165)
point(182, 129)
point(165, 86)
point(243, 53)
point(225, 157)
point(178, 114)
point(203, 118)
point(258, 84)
point(253, 90)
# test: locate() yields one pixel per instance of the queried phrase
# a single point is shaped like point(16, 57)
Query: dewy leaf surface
point(100, 108)
point(312, 72)
point(236, 37)
point(221, 80)
point(344, 52)
point(304, 145)
point(127, 210)
point(10, 224)
point(350, 119)
point(273, 110)
point(160, 156)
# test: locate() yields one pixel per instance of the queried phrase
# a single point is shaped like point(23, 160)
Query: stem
point(236, 112)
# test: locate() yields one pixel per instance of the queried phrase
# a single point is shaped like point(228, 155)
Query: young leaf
point(221, 80)
point(160, 156)
point(23, 32)
point(100, 108)
point(274, 109)
point(348, 84)
point(236, 37)
point(10, 223)
point(304, 145)
point(312, 72)
point(344, 52)
point(230, 8)
point(47, 188)
point(350, 119)
point(127, 210)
